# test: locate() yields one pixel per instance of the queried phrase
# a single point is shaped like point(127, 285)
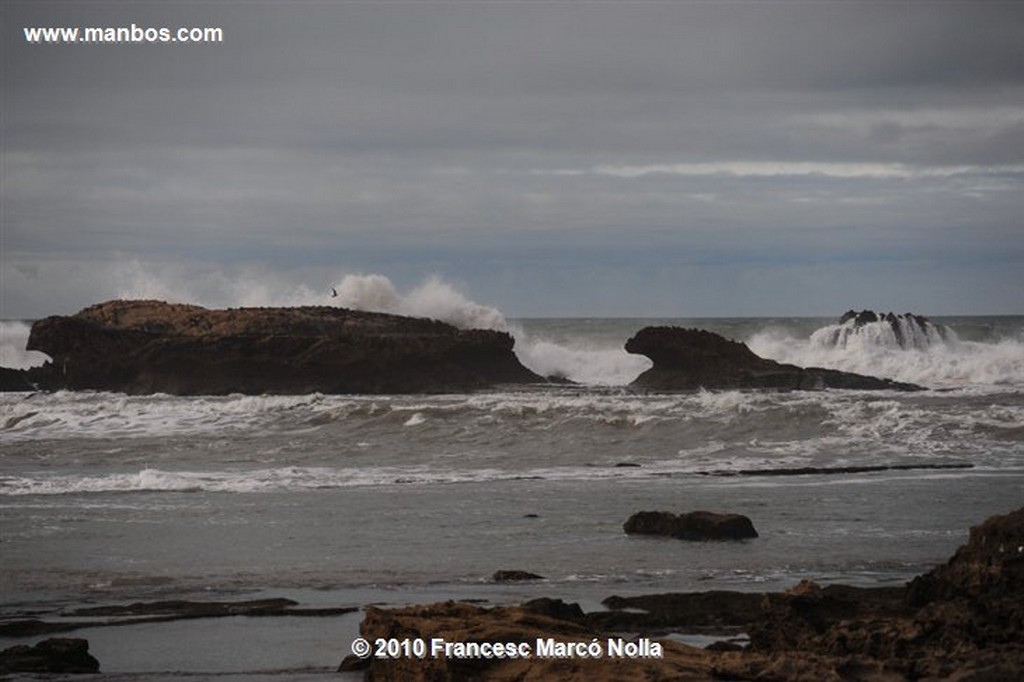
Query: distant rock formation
point(689, 359)
point(158, 347)
point(698, 525)
point(905, 331)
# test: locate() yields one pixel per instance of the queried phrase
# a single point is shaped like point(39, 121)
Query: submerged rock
point(514, 576)
point(689, 359)
point(157, 347)
point(698, 525)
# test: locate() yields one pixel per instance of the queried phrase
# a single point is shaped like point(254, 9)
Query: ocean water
point(396, 499)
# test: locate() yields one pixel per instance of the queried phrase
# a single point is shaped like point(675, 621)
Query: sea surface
point(341, 500)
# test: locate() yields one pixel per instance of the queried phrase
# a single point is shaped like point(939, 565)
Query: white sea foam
point(280, 479)
point(416, 419)
point(88, 414)
point(948, 363)
point(894, 332)
point(13, 338)
point(434, 298)
point(581, 362)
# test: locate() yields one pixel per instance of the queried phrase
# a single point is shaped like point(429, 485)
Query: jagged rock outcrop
point(152, 346)
point(962, 620)
point(901, 331)
point(697, 525)
point(990, 565)
point(689, 359)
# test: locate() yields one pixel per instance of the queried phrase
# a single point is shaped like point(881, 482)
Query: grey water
point(396, 499)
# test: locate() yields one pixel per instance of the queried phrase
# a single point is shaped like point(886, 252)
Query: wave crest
point(926, 354)
point(434, 298)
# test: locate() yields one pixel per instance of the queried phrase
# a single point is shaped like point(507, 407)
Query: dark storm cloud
point(596, 135)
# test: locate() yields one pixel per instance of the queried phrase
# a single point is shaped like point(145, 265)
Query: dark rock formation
point(57, 655)
point(151, 346)
point(716, 611)
point(514, 576)
point(833, 471)
point(966, 616)
point(15, 380)
point(555, 608)
point(908, 330)
point(698, 525)
point(689, 359)
point(989, 565)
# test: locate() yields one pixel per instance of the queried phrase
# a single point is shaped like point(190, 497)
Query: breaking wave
point(582, 361)
point(902, 347)
point(434, 298)
point(866, 329)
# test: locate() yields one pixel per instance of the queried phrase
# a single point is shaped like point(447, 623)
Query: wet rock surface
point(690, 359)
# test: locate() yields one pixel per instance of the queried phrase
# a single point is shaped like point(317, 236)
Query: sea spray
point(580, 362)
point(434, 298)
point(898, 332)
point(13, 339)
point(583, 361)
point(934, 355)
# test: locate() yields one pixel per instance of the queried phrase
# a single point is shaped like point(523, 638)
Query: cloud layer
point(552, 158)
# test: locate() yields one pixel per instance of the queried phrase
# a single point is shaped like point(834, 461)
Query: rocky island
point(141, 347)
point(690, 359)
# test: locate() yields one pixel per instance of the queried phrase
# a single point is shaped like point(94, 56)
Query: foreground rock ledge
point(158, 347)
point(962, 621)
point(689, 359)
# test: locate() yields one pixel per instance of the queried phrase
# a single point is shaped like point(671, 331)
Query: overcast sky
point(547, 158)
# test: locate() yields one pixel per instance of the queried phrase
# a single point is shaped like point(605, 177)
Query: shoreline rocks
point(962, 621)
point(691, 359)
point(144, 347)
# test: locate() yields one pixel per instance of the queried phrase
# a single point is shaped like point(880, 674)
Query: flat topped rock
point(690, 359)
point(177, 319)
point(158, 347)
